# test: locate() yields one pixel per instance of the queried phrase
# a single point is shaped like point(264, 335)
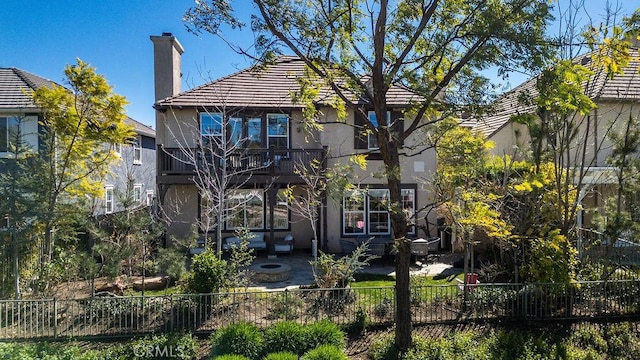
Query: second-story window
point(108, 199)
point(9, 130)
point(278, 131)
point(372, 140)
point(137, 193)
point(210, 124)
point(137, 150)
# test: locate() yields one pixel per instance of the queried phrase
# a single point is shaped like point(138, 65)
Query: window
point(210, 124)
point(372, 140)
point(408, 205)
point(137, 150)
point(245, 208)
point(235, 131)
point(280, 212)
point(9, 131)
point(366, 211)
point(278, 131)
point(137, 193)
point(117, 149)
point(254, 133)
point(353, 213)
point(108, 199)
point(250, 208)
point(149, 198)
point(378, 203)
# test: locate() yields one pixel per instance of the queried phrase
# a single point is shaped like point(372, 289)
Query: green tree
point(79, 125)
point(361, 49)
point(18, 208)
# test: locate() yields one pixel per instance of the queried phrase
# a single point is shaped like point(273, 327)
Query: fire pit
point(270, 272)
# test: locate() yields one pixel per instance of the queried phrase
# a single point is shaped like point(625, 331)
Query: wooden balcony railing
point(272, 161)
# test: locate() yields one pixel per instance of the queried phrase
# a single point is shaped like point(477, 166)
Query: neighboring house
point(617, 98)
point(134, 174)
point(19, 113)
point(259, 106)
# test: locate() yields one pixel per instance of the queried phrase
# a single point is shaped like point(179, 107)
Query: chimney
point(167, 52)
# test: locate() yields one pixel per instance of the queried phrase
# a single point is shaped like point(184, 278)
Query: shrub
point(208, 274)
point(286, 336)
point(284, 306)
point(324, 332)
point(325, 352)
point(240, 339)
point(383, 348)
point(359, 324)
point(281, 356)
point(230, 357)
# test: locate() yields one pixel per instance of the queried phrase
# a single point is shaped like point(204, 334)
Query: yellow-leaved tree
point(79, 126)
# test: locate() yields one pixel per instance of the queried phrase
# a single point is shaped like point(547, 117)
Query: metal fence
point(203, 313)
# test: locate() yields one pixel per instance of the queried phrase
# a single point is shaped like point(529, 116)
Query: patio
point(301, 272)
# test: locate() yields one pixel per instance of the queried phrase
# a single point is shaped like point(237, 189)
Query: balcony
point(175, 164)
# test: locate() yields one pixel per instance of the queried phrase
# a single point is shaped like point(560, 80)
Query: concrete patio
point(301, 272)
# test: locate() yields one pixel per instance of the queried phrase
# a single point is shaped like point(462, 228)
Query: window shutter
point(397, 120)
point(359, 139)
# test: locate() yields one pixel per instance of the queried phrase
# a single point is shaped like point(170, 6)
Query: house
point(617, 98)
point(257, 105)
point(19, 113)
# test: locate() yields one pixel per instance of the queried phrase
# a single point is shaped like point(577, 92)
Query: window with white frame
point(137, 193)
point(245, 209)
point(9, 131)
point(409, 206)
point(150, 195)
point(278, 131)
point(210, 124)
point(137, 150)
point(366, 211)
point(117, 149)
point(280, 212)
point(108, 199)
point(248, 208)
point(377, 206)
point(353, 218)
point(372, 140)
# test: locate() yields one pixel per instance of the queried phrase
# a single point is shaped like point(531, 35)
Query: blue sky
point(43, 36)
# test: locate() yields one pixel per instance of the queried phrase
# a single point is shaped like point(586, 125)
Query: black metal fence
point(203, 313)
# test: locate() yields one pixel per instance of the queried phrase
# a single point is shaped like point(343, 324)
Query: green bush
point(240, 339)
point(43, 350)
point(286, 336)
point(325, 352)
point(281, 356)
point(383, 348)
point(359, 324)
point(208, 274)
point(230, 357)
point(324, 332)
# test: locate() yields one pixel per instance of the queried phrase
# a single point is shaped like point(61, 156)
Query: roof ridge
point(279, 60)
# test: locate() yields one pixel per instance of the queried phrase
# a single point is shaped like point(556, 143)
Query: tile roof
point(141, 128)
point(267, 87)
point(16, 86)
point(622, 87)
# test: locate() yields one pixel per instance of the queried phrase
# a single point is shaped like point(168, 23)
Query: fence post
point(55, 318)
point(171, 326)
